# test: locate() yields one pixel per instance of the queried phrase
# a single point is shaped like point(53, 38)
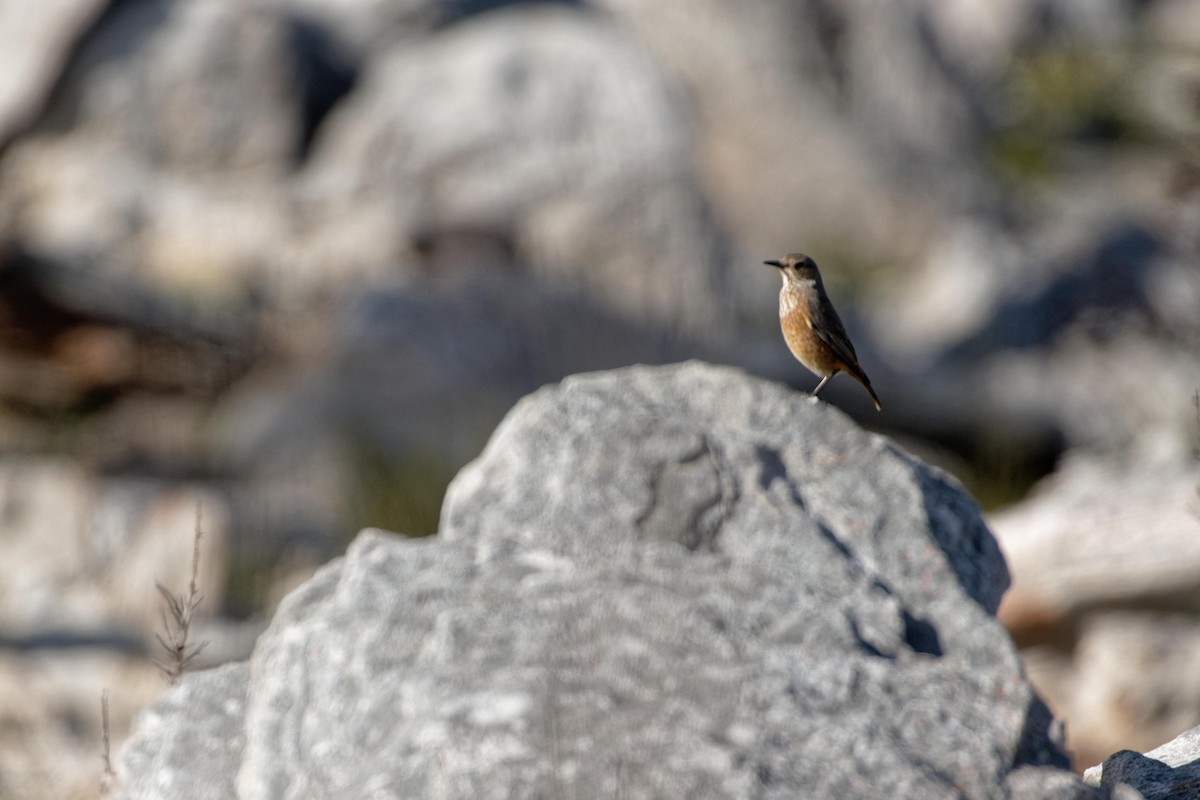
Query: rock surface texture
point(1170, 771)
point(655, 582)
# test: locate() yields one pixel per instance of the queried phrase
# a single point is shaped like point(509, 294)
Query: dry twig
point(108, 778)
point(177, 620)
point(1195, 509)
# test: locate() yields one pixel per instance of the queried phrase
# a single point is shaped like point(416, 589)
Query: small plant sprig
point(108, 778)
point(177, 620)
point(1195, 508)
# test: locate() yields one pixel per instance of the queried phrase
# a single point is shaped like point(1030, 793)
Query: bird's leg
point(821, 385)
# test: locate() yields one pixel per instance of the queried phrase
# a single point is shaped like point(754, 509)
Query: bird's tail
point(874, 397)
point(862, 378)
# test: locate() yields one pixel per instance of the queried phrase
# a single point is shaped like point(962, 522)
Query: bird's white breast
point(792, 296)
point(787, 300)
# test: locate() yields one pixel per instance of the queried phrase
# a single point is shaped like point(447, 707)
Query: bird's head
point(797, 267)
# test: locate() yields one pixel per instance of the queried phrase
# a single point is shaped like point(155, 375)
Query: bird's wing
point(828, 326)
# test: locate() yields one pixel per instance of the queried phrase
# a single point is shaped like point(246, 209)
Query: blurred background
point(287, 263)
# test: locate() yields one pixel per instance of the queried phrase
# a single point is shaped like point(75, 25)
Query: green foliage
point(398, 494)
point(847, 269)
point(1064, 93)
point(247, 587)
point(1002, 467)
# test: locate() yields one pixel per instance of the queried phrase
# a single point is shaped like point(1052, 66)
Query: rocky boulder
point(654, 582)
point(1170, 771)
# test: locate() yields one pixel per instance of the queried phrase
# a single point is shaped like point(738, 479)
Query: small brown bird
point(811, 327)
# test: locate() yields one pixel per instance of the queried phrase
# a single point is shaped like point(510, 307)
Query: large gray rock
point(656, 582)
point(197, 724)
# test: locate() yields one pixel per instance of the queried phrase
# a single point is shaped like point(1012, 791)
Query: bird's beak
point(774, 263)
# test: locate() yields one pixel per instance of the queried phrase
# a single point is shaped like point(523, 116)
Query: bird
point(811, 326)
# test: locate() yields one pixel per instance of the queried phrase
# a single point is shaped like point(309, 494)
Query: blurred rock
point(86, 329)
point(168, 149)
point(1133, 392)
point(81, 554)
point(409, 389)
point(815, 121)
point(1089, 349)
point(450, 362)
point(131, 369)
point(50, 715)
point(1105, 559)
point(981, 37)
point(359, 28)
point(777, 548)
point(80, 557)
point(1099, 533)
point(146, 81)
point(1176, 22)
point(553, 134)
point(161, 150)
point(1108, 283)
point(782, 162)
point(36, 41)
point(50, 705)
